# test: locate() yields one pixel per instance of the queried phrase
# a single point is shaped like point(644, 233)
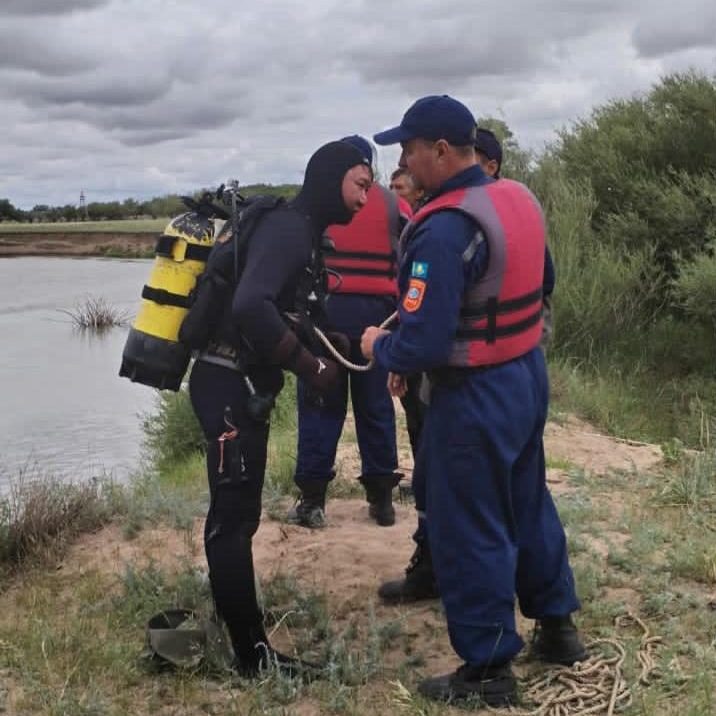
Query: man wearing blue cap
point(363, 291)
point(470, 308)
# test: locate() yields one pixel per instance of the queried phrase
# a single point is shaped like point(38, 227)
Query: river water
point(64, 411)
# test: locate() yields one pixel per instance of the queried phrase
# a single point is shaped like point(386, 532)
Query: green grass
point(71, 644)
point(635, 402)
point(128, 226)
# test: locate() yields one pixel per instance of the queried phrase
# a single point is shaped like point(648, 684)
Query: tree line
point(158, 207)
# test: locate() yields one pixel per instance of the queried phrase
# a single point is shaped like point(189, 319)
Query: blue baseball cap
point(434, 117)
point(487, 143)
point(361, 144)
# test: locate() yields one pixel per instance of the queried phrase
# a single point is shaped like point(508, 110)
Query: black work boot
point(379, 493)
point(310, 508)
point(492, 685)
point(419, 582)
point(556, 641)
point(380, 507)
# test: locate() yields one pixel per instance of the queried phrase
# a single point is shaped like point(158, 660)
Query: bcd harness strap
point(164, 297)
point(309, 296)
point(193, 252)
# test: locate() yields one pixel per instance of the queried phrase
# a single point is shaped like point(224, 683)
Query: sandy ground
point(352, 555)
point(73, 244)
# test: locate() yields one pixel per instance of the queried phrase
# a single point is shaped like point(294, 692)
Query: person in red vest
point(363, 291)
point(470, 315)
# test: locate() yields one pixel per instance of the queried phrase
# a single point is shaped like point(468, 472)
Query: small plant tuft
point(96, 314)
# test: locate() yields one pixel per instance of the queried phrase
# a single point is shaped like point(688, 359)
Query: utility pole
point(83, 206)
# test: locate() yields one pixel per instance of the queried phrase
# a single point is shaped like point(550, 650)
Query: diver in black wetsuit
point(282, 252)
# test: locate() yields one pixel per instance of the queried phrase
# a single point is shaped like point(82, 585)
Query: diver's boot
point(419, 582)
point(492, 685)
point(379, 493)
point(310, 508)
point(253, 656)
point(556, 641)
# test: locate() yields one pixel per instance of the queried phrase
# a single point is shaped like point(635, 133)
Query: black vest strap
point(514, 304)
point(367, 255)
point(390, 273)
point(500, 331)
point(491, 333)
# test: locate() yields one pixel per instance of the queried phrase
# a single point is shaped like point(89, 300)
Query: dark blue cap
point(361, 144)
point(487, 143)
point(434, 117)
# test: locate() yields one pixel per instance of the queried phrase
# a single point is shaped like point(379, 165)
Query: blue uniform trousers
point(320, 428)
point(494, 530)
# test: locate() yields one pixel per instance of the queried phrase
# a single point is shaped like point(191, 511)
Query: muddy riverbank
point(77, 244)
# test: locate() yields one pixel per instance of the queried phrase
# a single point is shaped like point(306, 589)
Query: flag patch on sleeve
point(419, 269)
point(414, 295)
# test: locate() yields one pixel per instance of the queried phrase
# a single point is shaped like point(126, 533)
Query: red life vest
point(501, 314)
point(366, 249)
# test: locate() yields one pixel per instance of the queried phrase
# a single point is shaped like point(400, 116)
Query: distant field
point(128, 226)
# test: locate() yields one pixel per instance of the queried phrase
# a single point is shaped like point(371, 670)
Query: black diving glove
point(320, 374)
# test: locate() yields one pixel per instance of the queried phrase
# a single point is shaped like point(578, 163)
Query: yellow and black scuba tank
point(153, 354)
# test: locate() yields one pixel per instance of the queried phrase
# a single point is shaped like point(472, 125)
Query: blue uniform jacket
point(425, 334)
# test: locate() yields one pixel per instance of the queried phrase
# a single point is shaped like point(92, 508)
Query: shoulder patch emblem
point(419, 269)
point(414, 295)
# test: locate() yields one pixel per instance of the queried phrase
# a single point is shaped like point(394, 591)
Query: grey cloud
point(96, 90)
point(665, 33)
point(154, 136)
point(35, 53)
point(176, 117)
point(414, 65)
point(458, 46)
point(48, 7)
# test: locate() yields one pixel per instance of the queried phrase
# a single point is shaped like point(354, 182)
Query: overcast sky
point(140, 98)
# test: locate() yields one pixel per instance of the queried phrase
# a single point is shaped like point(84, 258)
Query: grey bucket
point(180, 638)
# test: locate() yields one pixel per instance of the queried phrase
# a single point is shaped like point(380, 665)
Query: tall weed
point(41, 515)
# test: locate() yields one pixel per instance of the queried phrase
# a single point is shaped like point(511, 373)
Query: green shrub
point(171, 432)
point(695, 288)
point(173, 438)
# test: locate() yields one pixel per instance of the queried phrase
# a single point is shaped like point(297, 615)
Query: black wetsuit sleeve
point(277, 254)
